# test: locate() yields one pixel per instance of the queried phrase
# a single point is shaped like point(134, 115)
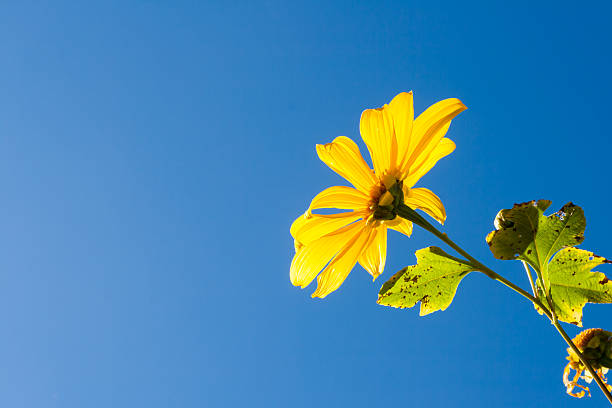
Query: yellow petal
point(345, 198)
point(402, 112)
point(338, 269)
point(343, 156)
point(405, 227)
point(310, 259)
point(444, 148)
point(428, 129)
point(375, 254)
point(377, 131)
point(310, 227)
point(424, 200)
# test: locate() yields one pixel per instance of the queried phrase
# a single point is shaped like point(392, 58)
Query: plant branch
point(411, 215)
point(408, 213)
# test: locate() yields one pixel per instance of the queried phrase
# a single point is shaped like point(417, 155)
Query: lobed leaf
point(433, 281)
point(573, 284)
point(567, 282)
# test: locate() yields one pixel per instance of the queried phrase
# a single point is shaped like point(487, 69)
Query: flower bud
point(595, 345)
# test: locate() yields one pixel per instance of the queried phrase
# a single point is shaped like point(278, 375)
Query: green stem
point(537, 293)
point(409, 214)
point(545, 289)
point(549, 301)
point(533, 288)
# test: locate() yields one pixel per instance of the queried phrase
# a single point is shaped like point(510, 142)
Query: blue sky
point(154, 154)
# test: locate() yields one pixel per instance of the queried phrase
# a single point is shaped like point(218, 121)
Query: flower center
point(390, 197)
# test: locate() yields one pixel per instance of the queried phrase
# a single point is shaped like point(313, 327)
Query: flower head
point(595, 346)
point(402, 149)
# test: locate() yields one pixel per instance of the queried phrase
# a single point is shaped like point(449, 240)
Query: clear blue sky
point(154, 154)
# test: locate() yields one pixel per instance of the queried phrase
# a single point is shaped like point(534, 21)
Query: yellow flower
point(402, 149)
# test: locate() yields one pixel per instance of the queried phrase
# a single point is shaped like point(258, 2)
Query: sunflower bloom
point(402, 150)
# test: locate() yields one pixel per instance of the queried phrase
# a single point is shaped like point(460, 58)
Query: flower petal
point(405, 227)
point(402, 112)
point(310, 259)
point(342, 197)
point(374, 255)
point(338, 269)
point(444, 148)
point(425, 200)
point(376, 127)
point(343, 156)
point(428, 129)
point(310, 227)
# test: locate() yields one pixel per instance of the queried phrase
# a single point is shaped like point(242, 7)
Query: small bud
point(595, 346)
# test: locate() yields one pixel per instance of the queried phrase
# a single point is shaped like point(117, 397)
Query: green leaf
point(524, 232)
point(433, 281)
point(573, 284)
point(515, 229)
point(566, 282)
